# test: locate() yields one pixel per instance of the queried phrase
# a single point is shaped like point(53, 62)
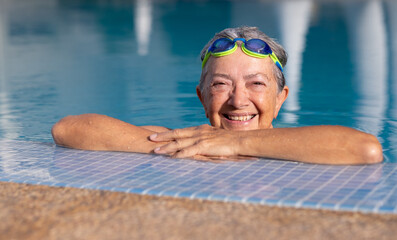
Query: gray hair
point(249, 33)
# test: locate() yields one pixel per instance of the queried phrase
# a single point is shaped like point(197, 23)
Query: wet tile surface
point(370, 188)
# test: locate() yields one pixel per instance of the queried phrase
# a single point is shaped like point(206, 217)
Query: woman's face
point(240, 92)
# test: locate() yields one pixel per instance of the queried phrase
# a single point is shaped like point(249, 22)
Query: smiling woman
point(242, 89)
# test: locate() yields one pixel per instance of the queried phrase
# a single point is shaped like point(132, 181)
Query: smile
point(241, 118)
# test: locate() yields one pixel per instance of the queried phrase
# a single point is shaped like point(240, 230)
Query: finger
point(175, 146)
point(177, 133)
point(187, 152)
point(193, 150)
point(170, 135)
point(189, 147)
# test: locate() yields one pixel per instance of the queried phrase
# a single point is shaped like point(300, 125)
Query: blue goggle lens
point(258, 46)
point(221, 45)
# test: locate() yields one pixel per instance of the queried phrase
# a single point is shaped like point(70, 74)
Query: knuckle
point(177, 132)
point(177, 142)
point(204, 127)
point(201, 143)
point(182, 153)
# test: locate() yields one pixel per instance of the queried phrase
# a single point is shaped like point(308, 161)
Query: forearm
point(99, 132)
point(317, 144)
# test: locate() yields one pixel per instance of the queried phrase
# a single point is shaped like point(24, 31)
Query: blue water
point(139, 61)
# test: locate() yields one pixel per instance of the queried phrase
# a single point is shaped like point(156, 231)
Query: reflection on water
point(143, 25)
point(367, 36)
point(138, 61)
point(9, 127)
point(389, 137)
point(294, 19)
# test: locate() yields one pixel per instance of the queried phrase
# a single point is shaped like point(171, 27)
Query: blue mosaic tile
point(307, 203)
point(387, 208)
point(327, 205)
point(371, 188)
point(184, 194)
point(346, 206)
point(270, 202)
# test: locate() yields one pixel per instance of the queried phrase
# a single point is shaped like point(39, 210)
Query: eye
point(259, 83)
point(218, 83)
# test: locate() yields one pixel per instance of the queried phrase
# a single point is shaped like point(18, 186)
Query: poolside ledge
point(43, 212)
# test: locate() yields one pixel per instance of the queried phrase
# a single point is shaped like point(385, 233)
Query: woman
point(242, 89)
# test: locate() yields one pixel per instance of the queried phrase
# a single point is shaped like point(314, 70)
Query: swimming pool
point(138, 61)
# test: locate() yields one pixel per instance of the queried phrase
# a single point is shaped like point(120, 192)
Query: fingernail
point(158, 150)
point(153, 136)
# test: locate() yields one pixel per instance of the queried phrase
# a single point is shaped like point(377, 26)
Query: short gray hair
point(249, 33)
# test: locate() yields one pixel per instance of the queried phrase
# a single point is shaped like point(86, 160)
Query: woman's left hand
point(203, 140)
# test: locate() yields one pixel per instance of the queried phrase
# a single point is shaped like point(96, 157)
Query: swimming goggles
point(253, 47)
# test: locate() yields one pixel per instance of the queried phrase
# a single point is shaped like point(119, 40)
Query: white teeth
point(241, 118)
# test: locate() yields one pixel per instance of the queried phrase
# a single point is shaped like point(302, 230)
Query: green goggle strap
point(260, 55)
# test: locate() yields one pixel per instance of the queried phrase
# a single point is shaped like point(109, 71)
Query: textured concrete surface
point(42, 212)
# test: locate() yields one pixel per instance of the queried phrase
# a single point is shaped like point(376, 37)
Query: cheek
point(261, 98)
point(210, 105)
point(215, 101)
point(266, 102)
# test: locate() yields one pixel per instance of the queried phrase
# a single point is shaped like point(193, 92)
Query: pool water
point(139, 61)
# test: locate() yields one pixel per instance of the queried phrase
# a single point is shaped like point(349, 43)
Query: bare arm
point(100, 132)
point(317, 144)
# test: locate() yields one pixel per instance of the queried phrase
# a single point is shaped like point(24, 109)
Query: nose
point(239, 97)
